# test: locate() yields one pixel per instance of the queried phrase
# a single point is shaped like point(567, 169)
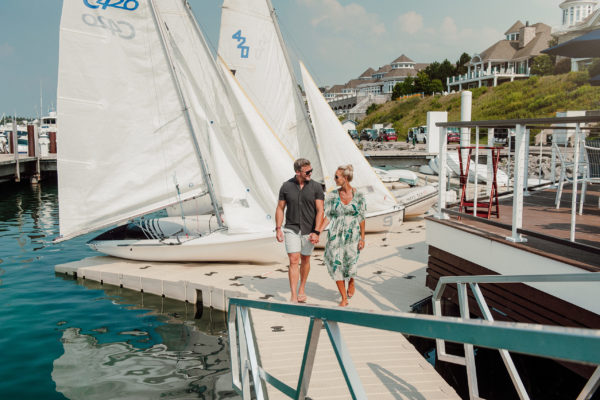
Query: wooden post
point(52, 136)
point(30, 141)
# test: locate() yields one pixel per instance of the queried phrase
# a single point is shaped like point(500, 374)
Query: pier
point(25, 167)
point(391, 277)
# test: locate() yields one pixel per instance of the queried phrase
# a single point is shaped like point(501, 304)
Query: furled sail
point(331, 135)
point(124, 140)
point(250, 46)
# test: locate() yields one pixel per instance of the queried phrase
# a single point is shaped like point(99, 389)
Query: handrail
point(570, 344)
point(520, 169)
point(469, 358)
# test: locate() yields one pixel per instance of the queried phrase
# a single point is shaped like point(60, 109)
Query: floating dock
point(391, 277)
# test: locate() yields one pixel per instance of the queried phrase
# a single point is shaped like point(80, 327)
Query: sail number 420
point(241, 40)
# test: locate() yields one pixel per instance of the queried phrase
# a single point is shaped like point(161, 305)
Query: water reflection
point(180, 357)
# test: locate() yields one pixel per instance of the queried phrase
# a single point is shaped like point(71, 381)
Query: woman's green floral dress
point(341, 251)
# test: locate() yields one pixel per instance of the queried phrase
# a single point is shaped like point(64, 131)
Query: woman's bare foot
point(351, 288)
point(343, 303)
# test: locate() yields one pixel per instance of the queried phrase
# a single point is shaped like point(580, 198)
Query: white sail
point(342, 150)
point(249, 45)
point(252, 163)
point(124, 140)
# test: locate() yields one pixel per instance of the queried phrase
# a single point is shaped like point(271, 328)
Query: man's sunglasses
point(308, 172)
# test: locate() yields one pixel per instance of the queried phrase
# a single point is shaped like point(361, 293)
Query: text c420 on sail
point(128, 5)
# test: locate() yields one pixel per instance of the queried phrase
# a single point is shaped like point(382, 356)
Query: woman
point(345, 213)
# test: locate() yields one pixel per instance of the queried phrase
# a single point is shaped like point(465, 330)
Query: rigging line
point(167, 50)
point(295, 48)
point(210, 43)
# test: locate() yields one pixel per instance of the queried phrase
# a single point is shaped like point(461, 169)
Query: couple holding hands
point(307, 213)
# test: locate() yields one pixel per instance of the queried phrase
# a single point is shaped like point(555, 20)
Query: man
point(302, 200)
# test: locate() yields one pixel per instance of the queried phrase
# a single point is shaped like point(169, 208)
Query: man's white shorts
point(297, 243)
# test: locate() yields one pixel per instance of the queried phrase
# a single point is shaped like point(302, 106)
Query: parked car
point(453, 135)
point(387, 135)
point(421, 134)
point(368, 134)
point(353, 133)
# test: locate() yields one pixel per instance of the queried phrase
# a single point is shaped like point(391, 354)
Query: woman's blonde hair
point(347, 171)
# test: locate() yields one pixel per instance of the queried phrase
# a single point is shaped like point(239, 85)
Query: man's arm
point(314, 237)
point(279, 219)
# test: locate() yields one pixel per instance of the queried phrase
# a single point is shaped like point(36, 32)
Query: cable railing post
point(575, 182)
point(244, 365)
point(526, 173)
point(506, 358)
point(259, 391)
point(308, 360)
point(517, 206)
point(476, 178)
point(443, 157)
point(234, 349)
point(463, 304)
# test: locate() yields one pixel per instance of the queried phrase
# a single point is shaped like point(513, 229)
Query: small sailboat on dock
point(175, 134)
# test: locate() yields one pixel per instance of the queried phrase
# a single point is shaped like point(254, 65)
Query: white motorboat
point(175, 134)
point(397, 175)
point(416, 200)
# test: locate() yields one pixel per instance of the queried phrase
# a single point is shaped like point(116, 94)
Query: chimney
point(526, 34)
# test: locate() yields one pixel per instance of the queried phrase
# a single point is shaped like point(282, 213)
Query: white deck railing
point(520, 166)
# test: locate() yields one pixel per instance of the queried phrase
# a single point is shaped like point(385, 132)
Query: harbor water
point(63, 338)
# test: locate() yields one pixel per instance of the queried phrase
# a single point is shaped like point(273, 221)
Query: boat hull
point(417, 201)
point(171, 240)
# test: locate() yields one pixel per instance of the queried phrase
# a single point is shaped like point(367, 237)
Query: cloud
point(6, 50)
point(411, 22)
point(479, 39)
point(351, 18)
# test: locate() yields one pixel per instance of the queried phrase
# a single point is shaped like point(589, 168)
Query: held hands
point(361, 244)
point(314, 238)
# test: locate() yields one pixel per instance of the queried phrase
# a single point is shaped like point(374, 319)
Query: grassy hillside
point(535, 97)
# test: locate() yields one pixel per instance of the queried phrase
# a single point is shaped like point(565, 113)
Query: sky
point(336, 39)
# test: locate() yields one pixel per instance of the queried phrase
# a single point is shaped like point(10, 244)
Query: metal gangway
point(558, 343)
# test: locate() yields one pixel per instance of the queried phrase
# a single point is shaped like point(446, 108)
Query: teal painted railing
point(569, 344)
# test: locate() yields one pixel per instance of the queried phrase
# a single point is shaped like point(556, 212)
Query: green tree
point(461, 64)
point(422, 83)
point(403, 88)
point(371, 108)
point(440, 71)
point(542, 65)
point(435, 86)
point(594, 68)
point(563, 66)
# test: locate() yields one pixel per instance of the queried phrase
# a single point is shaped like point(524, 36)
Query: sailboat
point(162, 125)
point(252, 47)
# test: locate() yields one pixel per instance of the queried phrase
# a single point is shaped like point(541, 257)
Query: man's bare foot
point(343, 303)
point(293, 300)
point(301, 298)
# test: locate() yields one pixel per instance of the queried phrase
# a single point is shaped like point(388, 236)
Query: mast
point(296, 89)
point(185, 110)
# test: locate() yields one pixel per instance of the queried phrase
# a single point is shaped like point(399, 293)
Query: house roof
point(402, 58)
point(421, 66)
point(367, 73)
point(354, 83)
point(509, 50)
point(335, 89)
point(515, 28)
point(385, 69)
point(399, 72)
point(566, 2)
point(537, 44)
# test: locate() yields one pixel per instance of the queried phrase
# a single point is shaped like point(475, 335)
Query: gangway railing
point(468, 360)
point(520, 170)
point(569, 344)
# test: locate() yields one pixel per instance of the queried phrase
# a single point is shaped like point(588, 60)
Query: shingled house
point(506, 60)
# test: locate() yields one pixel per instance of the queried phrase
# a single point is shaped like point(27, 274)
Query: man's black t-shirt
point(300, 210)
